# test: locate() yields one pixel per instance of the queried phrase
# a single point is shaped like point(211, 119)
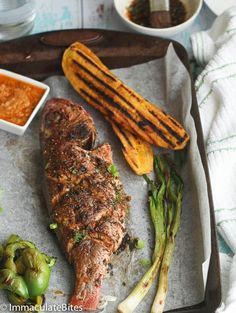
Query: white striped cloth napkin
point(216, 94)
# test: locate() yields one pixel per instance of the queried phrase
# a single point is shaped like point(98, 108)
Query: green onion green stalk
point(165, 203)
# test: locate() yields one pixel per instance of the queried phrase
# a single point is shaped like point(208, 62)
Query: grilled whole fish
point(85, 200)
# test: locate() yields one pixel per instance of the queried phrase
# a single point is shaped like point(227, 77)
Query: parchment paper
point(167, 83)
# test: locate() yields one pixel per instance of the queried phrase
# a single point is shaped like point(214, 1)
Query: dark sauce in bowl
point(139, 12)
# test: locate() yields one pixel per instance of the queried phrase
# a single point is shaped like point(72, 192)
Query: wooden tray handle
point(62, 39)
point(39, 56)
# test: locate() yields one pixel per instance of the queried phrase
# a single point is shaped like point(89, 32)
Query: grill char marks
point(80, 53)
point(143, 122)
point(115, 100)
point(124, 134)
point(82, 196)
point(106, 97)
point(97, 104)
point(138, 153)
point(56, 129)
point(172, 132)
point(146, 122)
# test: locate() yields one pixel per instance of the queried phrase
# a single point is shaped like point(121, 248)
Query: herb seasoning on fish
point(87, 201)
point(139, 12)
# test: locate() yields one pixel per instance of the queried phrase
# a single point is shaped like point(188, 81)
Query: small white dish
point(219, 6)
point(193, 8)
point(14, 128)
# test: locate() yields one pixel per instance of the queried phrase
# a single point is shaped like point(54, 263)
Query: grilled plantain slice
point(137, 152)
point(103, 90)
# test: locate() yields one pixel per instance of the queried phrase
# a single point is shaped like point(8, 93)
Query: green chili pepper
point(10, 253)
point(13, 238)
point(20, 267)
point(14, 283)
point(14, 299)
point(37, 272)
point(24, 271)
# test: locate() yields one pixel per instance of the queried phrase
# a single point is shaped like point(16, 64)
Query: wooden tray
point(39, 56)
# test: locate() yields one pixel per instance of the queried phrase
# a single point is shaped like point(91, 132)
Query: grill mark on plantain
point(93, 63)
point(109, 113)
point(168, 128)
point(131, 160)
point(144, 122)
point(124, 135)
point(106, 97)
point(174, 122)
point(109, 88)
point(126, 138)
point(172, 132)
point(110, 100)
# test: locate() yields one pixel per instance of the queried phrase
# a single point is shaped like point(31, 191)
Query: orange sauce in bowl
point(17, 99)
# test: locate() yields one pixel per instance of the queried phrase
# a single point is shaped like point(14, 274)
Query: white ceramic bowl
point(11, 127)
point(193, 8)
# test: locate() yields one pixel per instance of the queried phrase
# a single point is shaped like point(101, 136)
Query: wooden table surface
point(61, 14)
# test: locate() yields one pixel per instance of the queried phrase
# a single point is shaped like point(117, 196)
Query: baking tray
point(39, 56)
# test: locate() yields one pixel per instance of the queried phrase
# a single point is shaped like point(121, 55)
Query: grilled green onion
point(165, 204)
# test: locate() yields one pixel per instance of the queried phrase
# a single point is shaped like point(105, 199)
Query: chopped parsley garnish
point(139, 244)
point(53, 226)
point(112, 169)
point(52, 261)
point(1, 210)
point(118, 196)
point(79, 236)
point(145, 262)
point(73, 170)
